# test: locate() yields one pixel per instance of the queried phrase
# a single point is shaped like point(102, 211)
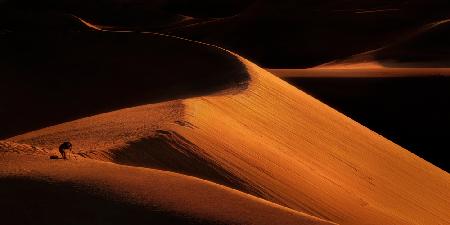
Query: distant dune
point(250, 131)
point(290, 34)
point(423, 51)
point(275, 34)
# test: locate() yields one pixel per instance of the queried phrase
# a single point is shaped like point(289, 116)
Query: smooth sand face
point(288, 156)
point(267, 139)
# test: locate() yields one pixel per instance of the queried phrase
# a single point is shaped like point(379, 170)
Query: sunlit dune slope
point(281, 141)
point(273, 141)
point(35, 190)
point(388, 102)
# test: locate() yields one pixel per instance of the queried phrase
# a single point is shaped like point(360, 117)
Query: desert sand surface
point(84, 191)
point(250, 131)
point(103, 71)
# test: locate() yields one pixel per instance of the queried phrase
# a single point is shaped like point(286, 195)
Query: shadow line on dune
point(62, 76)
point(70, 203)
point(169, 151)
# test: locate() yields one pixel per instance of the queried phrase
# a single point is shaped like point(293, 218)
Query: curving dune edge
point(308, 162)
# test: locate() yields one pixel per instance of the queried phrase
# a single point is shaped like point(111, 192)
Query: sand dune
point(423, 51)
point(115, 15)
point(62, 76)
point(379, 88)
point(85, 191)
point(293, 34)
point(274, 34)
point(271, 140)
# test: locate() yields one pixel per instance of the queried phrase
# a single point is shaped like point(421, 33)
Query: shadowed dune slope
point(91, 192)
point(429, 48)
point(140, 15)
point(273, 141)
point(294, 34)
point(426, 50)
point(61, 76)
point(32, 15)
point(277, 34)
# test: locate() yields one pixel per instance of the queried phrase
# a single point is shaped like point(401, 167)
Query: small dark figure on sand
point(66, 146)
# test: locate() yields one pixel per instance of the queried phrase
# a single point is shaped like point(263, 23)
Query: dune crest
point(288, 155)
point(276, 142)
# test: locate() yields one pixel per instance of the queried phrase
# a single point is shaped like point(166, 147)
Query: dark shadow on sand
point(169, 151)
point(25, 201)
